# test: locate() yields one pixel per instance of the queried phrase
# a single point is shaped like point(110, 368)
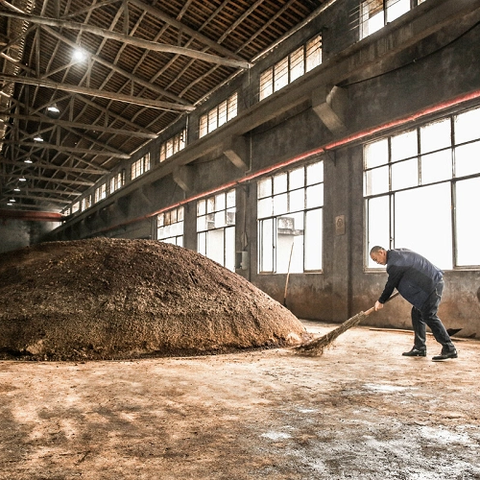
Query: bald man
point(421, 284)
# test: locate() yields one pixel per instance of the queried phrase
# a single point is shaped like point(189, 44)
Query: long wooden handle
point(370, 310)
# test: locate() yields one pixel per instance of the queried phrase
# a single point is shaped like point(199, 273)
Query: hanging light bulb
point(79, 55)
point(53, 109)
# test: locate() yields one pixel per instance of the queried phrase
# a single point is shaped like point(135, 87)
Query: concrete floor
point(359, 411)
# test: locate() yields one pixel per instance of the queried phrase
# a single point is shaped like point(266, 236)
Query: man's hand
point(378, 306)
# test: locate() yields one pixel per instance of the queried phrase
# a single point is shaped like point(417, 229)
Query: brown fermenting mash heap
point(115, 298)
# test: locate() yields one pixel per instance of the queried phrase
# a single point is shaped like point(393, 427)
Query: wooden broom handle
point(371, 309)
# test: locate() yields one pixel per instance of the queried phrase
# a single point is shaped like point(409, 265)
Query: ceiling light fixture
point(22, 179)
point(53, 109)
point(16, 189)
point(12, 200)
point(79, 55)
point(28, 160)
point(37, 138)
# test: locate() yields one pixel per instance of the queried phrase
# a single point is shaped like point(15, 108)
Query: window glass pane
point(404, 145)
point(266, 246)
point(210, 204)
point(436, 166)
point(230, 248)
point(468, 233)
point(376, 153)
point(314, 52)
point(212, 120)
point(378, 226)
point(467, 126)
point(230, 198)
point(201, 242)
point(296, 178)
point(376, 181)
point(201, 223)
point(435, 136)
point(264, 187)
point(222, 113)
point(219, 219)
point(313, 239)
point(314, 196)
point(467, 159)
point(290, 231)
point(297, 200)
point(230, 219)
point(423, 222)
point(281, 74)
point(265, 207)
point(371, 17)
point(232, 106)
point(180, 214)
point(201, 207)
point(219, 201)
point(280, 183)
point(405, 174)
point(215, 245)
point(266, 83)
point(396, 8)
point(297, 64)
point(280, 205)
point(315, 173)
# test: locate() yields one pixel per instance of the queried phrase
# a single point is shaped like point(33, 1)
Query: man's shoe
point(416, 352)
point(445, 355)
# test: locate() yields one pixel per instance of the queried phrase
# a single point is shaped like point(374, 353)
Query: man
point(420, 283)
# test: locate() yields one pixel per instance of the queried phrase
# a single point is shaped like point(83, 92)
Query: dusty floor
point(359, 411)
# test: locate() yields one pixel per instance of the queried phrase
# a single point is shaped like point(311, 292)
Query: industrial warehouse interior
point(189, 197)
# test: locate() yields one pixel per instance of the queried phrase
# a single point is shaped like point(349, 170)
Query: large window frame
point(216, 228)
point(291, 67)
point(140, 166)
point(170, 226)
point(375, 14)
point(290, 221)
point(420, 188)
point(218, 116)
point(173, 145)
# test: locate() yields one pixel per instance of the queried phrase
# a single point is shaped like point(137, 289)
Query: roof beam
point(61, 148)
point(138, 42)
point(81, 126)
point(119, 97)
point(85, 183)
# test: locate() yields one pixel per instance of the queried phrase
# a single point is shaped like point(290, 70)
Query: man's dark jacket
point(412, 275)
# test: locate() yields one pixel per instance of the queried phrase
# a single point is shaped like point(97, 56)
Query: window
point(290, 218)
point(75, 207)
point(421, 187)
point(291, 67)
point(170, 226)
point(173, 145)
point(140, 166)
point(117, 181)
point(100, 193)
point(216, 228)
point(218, 116)
point(375, 14)
point(85, 203)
